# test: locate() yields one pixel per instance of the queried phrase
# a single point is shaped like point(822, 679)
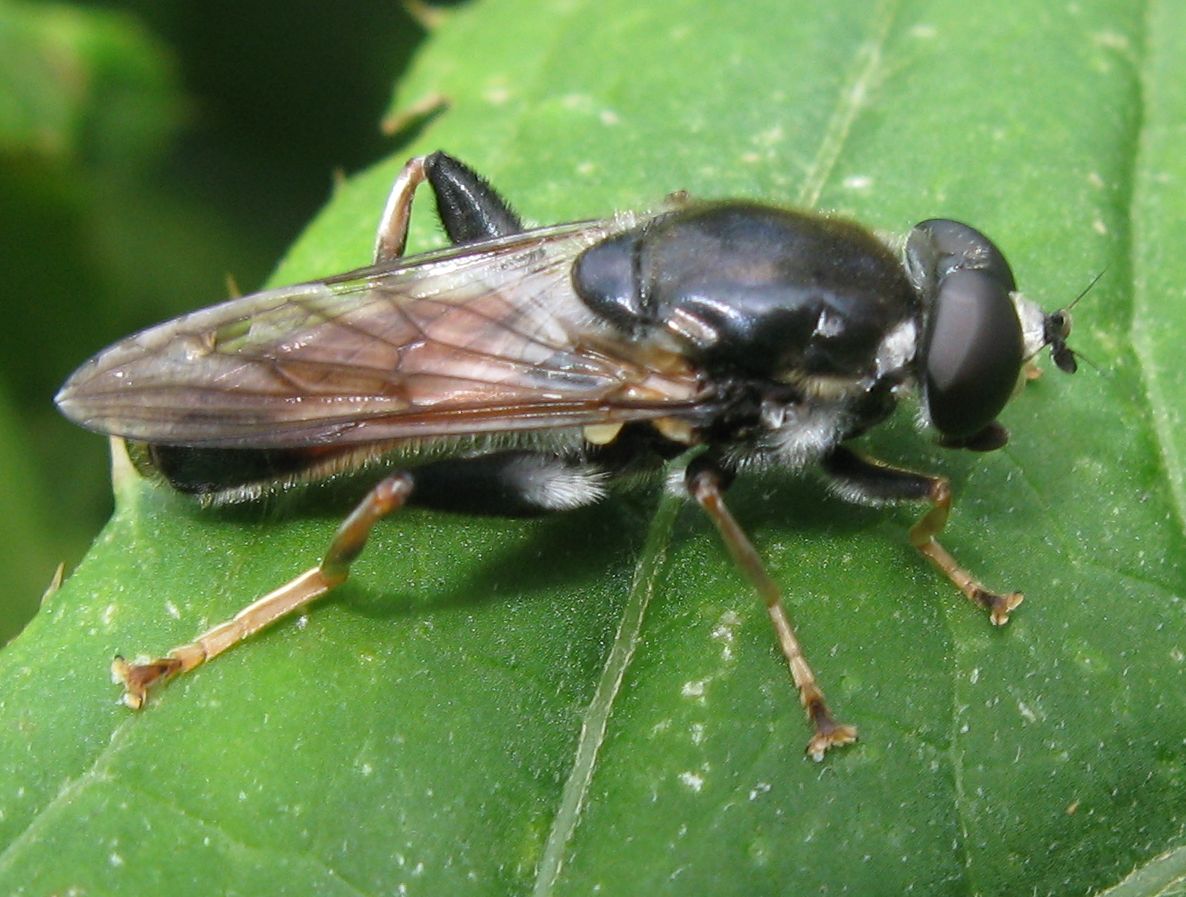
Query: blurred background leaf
point(149, 151)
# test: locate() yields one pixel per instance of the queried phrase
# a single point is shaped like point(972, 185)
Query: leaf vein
point(596, 717)
point(95, 772)
point(850, 102)
point(237, 843)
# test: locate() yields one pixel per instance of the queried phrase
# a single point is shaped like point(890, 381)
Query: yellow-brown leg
point(392, 236)
point(137, 678)
point(867, 480)
point(704, 484)
point(922, 537)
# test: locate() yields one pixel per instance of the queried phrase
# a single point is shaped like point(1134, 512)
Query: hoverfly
point(525, 370)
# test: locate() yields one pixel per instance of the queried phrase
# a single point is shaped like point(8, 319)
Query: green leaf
point(594, 701)
point(81, 83)
point(24, 534)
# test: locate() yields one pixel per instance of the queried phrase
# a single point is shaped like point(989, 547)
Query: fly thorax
point(752, 290)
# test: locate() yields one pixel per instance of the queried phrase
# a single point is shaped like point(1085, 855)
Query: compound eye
point(939, 246)
point(973, 352)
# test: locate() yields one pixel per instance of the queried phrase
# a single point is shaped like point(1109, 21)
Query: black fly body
point(522, 371)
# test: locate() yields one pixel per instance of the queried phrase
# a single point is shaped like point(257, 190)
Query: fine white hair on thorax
point(808, 433)
point(1033, 324)
point(799, 436)
point(897, 348)
point(553, 484)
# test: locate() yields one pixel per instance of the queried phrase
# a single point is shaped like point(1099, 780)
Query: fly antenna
point(1086, 289)
point(1057, 327)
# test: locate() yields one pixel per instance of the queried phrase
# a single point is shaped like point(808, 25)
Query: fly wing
point(480, 338)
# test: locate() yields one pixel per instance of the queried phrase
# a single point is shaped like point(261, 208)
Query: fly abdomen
point(210, 471)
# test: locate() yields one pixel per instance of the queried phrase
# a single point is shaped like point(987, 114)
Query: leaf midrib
point(596, 717)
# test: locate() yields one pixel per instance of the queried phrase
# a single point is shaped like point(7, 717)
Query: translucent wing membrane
point(479, 338)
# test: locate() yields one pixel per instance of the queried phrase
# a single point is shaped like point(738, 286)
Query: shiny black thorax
point(751, 291)
point(769, 303)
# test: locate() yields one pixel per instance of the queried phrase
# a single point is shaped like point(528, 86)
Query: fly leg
point(705, 482)
point(869, 481)
point(392, 237)
point(469, 208)
point(388, 496)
